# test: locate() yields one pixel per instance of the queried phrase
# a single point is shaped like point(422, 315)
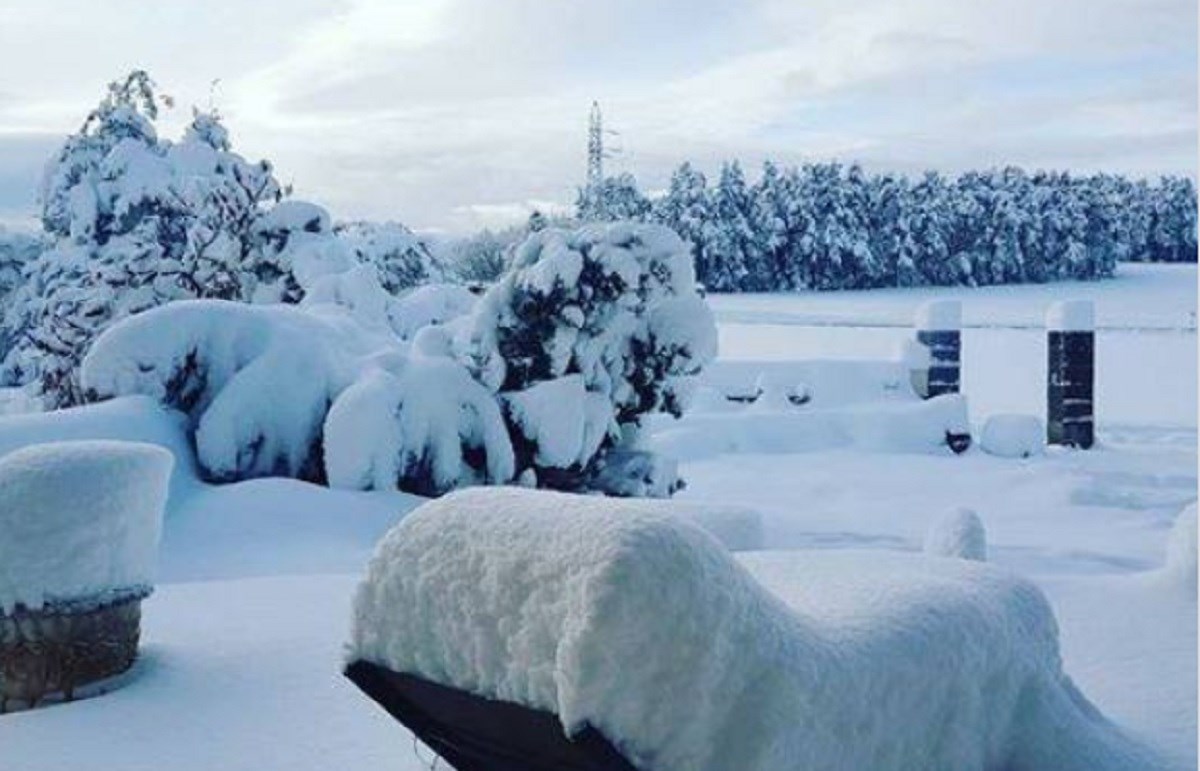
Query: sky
point(452, 115)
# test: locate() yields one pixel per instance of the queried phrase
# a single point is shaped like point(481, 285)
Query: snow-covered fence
point(939, 328)
point(79, 531)
point(1070, 373)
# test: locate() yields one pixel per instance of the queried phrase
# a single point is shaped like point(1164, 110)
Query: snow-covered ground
point(243, 639)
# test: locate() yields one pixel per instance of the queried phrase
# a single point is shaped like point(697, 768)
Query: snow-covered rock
point(959, 533)
point(80, 522)
point(613, 615)
point(1013, 436)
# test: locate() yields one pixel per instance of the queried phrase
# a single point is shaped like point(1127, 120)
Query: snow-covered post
point(79, 530)
point(939, 325)
point(1070, 373)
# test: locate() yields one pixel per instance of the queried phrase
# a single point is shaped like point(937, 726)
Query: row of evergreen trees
point(829, 226)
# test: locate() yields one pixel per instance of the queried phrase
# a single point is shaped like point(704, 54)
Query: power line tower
point(595, 158)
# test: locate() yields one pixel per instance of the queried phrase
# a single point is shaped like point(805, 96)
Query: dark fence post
point(939, 325)
point(1070, 374)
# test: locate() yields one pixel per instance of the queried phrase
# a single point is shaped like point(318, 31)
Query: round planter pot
point(65, 652)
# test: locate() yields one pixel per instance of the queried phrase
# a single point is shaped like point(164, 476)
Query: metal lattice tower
point(595, 154)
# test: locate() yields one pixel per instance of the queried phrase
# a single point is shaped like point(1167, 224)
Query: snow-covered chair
point(604, 624)
point(79, 532)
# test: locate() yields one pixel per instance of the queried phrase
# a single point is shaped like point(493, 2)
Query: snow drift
point(80, 522)
point(614, 615)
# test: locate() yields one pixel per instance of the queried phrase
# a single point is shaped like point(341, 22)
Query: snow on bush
point(607, 313)
point(613, 615)
point(1013, 436)
point(960, 533)
point(307, 392)
point(401, 259)
point(80, 522)
point(430, 304)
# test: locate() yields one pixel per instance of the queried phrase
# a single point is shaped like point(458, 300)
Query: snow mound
point(430, 304)
point(1180, 568)
point(1013, 436)
point(80, 522)
point(959, 533)
point(614, 615)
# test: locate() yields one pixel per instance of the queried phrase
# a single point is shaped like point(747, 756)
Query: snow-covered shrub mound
point(1013, 436)
point(80, 522)
point(612, 615)
point(960, 533)
point(592, 329)
point(401, 259)
point(307, 392)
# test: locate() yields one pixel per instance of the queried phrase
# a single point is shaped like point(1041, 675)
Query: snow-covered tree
point(138, 222)
point(618, 198)
point(401, 259)
point(588, 331)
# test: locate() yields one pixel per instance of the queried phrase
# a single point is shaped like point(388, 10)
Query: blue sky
point(454, 114)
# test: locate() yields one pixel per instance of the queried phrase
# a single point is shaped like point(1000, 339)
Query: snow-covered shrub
point(588, 331)
point(959, 533)
point(430, 304)
point(138, 221)
point(80, 523)
point(308, 392)
point(401, 259)
point(613, 615)
point(1013, 436)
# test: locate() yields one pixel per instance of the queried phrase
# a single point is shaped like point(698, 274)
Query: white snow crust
point(80, 522)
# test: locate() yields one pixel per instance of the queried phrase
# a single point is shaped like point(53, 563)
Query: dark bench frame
point(473, 733)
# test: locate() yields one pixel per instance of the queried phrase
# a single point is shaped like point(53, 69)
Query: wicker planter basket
point(66, 651)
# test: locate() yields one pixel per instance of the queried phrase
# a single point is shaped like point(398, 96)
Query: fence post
point(939, 325)
point(1070, 373)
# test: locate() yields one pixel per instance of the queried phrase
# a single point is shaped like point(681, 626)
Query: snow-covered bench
point(79, 531)
point(613, 622)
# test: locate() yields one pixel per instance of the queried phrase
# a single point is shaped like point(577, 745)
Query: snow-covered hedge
point(334, 390)
point(613, 615)
point(80, 523)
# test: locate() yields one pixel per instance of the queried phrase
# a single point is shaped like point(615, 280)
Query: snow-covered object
point(828, 382)
point(80, 522)
point(1071, 316)
point(564, 421)
point(937, 315)
point(738, 528)
point(1180, 567)
point(401, 259)
point(308, 392)
point(1013, 436)
point(430, 304)
point(959, 533)
point(614, 304)
point(612, 615)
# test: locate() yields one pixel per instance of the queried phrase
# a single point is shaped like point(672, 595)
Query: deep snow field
point(243, 639)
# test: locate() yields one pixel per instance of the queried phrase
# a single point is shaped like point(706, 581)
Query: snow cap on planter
point(80, 523)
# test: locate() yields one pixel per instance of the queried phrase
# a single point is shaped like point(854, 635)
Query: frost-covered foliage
point(590, 330)
point(308, 392)
point(401, 259)
point(138, 221)
point(615, 615)
point(80, 522)
point(18, 253)
point(827, 226)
